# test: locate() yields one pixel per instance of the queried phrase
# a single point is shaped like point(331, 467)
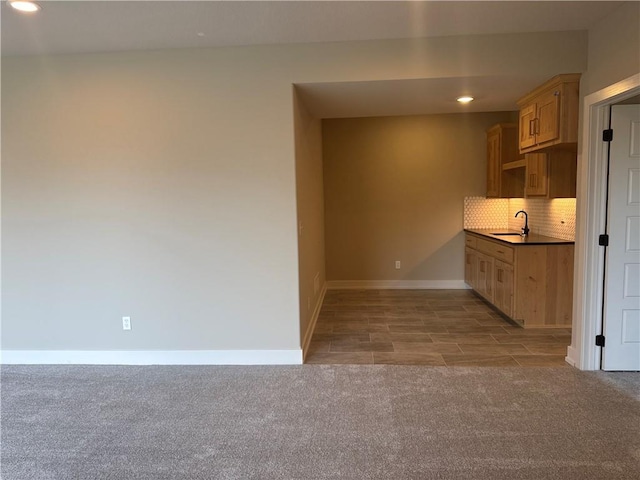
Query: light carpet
point(317, 422)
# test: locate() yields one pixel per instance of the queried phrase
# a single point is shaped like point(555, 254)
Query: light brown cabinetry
point(551, 174)
point(502, 151)
point(470, 266)
point(503, 292)
point(527, 121)
point(549, 114)
point(547, 135)
point(484, 276)
point(536, 175)
point(494, 165)
point(531, 284)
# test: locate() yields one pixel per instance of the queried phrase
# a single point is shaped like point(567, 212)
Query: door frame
point(590, 213)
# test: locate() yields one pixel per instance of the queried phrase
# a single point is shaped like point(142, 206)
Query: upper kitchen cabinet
point(551, 174)
point(502, 154)
point(549, 114)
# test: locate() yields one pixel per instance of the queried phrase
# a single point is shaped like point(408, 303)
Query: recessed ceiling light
point(465, 99)
point(23, 6)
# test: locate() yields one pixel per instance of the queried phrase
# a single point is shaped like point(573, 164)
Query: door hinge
point(607, 135)
point(599, 340)
point(603, 240)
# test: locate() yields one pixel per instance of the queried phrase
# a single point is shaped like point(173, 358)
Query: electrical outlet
point(397, 264)
point(126, 323)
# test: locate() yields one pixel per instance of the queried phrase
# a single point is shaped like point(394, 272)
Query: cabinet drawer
point(470, 241)
point(496, 250)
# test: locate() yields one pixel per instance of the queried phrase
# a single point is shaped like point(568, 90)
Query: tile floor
point(427, 327)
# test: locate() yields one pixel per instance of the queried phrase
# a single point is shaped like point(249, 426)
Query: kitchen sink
point(500, 234)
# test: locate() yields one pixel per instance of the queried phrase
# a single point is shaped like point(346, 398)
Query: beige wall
point(310, 201)
point(614, 49)
point(394, 190)
point(149, 185)
point(162, 185)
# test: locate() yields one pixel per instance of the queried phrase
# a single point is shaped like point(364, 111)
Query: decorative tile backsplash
point(480, 212)
point(554, 218)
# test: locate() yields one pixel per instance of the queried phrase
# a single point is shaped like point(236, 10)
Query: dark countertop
point(531, 239)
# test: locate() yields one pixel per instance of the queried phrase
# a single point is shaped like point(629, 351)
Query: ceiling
point(101, 26)
point(416, 96)
point(108, 26)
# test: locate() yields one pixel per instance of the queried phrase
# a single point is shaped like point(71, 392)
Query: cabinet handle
point(531, 128)
point(556, 93)
point(499, 251)
point(537, 124)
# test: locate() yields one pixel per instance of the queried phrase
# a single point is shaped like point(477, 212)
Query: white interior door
point(622, 269)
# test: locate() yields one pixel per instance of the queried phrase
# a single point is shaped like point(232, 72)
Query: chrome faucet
point(525, 229)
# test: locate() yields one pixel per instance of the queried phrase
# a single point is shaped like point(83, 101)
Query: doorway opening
point(621, 289)
point(589, 292)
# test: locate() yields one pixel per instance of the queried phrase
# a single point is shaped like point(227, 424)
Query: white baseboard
point(398, 284)
point(571, 357)
point(312, 323)
point(151, 357)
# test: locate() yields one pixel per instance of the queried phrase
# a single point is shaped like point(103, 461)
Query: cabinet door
point(470, 265)
point(537, 179)
point(503, 292)
point(561, 175)
point(527, 126)
point(548, 115)
point(494, 168)
point(484, 276)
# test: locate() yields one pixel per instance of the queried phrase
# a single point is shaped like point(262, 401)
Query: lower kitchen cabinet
point(503, 292)
point(470, 266)
point(484, 279)
point(530, 283)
